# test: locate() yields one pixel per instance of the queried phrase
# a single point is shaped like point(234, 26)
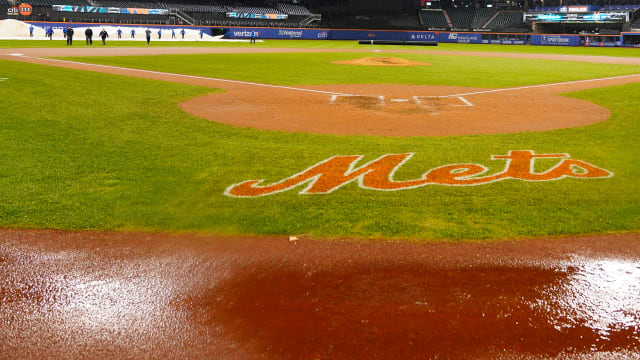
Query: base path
point(385, 110)
point(124, 51)
point(140, 295)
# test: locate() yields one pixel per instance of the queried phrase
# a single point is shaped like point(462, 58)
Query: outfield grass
point(83, 150)
point(317, 68)
point(340, 44)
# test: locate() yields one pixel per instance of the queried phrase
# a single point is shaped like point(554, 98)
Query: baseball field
point(331, 142)
point(119, 153)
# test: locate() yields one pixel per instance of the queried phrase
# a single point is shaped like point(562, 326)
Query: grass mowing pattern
point(342, 44)
point(82, 150)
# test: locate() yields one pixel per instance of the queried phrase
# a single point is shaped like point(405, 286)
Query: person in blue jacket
point(201, 33)
point(182, 33)
point(119, 33)
point(50, 33)
point(173, 33)
point(159, 33)
point(31, 31)
point(133, 33)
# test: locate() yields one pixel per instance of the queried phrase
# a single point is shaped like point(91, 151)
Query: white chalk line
point(539, 86)
point(464, 101)
point(187, 76)
point(321, 91)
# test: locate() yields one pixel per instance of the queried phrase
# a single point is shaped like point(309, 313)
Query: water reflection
point(601, 294)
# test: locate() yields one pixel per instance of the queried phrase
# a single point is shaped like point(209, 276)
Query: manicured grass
point(345, 44)
point(317, 68)
point(83, 150)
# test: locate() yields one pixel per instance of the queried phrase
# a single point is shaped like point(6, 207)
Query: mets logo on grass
point(337, 171)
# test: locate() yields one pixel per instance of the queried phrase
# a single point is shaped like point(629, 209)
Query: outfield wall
point(624, 39)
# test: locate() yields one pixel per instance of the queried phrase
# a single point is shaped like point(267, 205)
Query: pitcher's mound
point(381, 61)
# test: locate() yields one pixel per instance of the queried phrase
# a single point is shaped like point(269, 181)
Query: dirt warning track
point(139, 295)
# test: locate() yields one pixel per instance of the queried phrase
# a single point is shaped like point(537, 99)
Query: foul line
point(539, 86)
point(317, 91)
point(185, 76)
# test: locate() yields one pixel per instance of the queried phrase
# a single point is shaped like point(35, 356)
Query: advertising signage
point(594, 17)
point(109, 10)
point(245, 15)
point(25, 9)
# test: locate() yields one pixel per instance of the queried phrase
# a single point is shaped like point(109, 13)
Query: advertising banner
point(579, 18)
point(461, 38)
point(268, 33)
point(25, 9)
point(110, 10)
point(555, 40)
point(245, 15)
point(421, 36)
point(368, 35)
point(324, 34)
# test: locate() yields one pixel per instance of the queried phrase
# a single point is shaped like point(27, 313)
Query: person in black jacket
point(69, 33)
point(103, 34)
point(89, 35)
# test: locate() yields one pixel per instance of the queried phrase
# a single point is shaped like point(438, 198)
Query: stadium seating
point(434, 19)
point(469, 18)
point(404, 21)
point(292, 9)
point(506, 20)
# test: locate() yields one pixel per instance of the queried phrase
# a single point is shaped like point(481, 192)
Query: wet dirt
point(141, 295)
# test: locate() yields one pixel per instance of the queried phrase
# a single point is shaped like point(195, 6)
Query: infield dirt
point(386, 110)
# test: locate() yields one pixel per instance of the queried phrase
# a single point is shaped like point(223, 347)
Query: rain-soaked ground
point(135, 295)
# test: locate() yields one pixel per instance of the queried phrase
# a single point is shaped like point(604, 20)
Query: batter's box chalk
point(442, 101)
point(364, 101)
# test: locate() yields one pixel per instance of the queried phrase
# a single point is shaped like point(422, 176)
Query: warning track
point(139, 295)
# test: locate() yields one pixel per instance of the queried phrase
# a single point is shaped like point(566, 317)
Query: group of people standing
point(89, 36)
point(88, 33)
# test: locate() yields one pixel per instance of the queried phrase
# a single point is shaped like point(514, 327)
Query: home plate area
point(429, 104)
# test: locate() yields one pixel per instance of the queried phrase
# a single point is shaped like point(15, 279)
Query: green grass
point(318, 69)
point(341, 44)
point(83, 150)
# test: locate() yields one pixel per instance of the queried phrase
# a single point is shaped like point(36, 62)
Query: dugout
point(600, 40)
point(630, 39)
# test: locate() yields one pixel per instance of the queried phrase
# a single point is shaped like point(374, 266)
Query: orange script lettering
point(337, 171)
